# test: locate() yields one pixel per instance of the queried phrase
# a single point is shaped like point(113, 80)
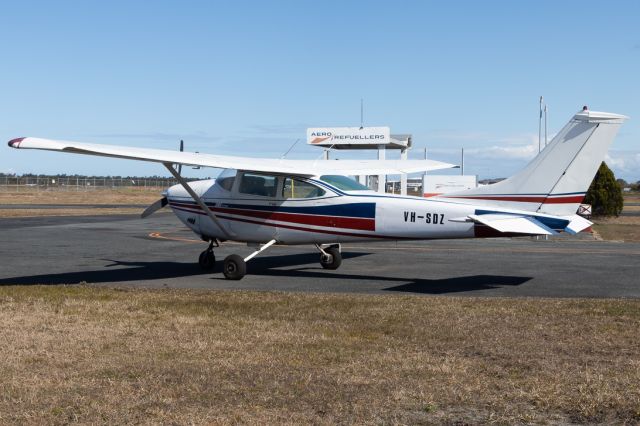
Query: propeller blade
point(181, 149)
point(154, 207)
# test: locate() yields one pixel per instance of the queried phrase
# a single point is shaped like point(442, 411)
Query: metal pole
point(424, 176)
point(545, 125)
point(540, 128)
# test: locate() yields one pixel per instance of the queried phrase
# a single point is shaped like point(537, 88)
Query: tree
point(604, 194)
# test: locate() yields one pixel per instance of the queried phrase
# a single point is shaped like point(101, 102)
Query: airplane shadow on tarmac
point(133, 272)
point(264, 266)
point(126, 271)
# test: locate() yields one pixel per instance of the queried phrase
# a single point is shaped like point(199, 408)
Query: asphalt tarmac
point(161, 252)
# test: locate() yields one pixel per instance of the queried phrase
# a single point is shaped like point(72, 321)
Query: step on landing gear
point(330, 257)
point(207, 259)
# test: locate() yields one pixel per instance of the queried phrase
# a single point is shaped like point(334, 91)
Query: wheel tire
point(207, 260)
point(234, 267)
point(333, 260)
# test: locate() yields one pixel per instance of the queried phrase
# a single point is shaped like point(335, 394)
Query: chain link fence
point(48, 183)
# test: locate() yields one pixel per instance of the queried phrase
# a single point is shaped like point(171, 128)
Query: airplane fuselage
point(335, 217)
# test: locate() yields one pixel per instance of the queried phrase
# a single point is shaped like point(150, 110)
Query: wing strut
point(198, 200)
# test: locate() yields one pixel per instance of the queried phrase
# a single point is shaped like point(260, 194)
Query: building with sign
point(357, 138)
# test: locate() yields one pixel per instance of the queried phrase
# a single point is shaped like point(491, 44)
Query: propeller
point(162, 202)
point(154, 207)
point(181, 149)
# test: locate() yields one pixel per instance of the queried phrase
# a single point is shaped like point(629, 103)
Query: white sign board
point(329, 136)
point(445, 184)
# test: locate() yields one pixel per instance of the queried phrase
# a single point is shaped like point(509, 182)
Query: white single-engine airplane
point(265, 201)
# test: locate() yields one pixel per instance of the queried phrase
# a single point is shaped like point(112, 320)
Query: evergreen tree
point(604, 194)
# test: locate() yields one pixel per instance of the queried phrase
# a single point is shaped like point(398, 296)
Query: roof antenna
point(290, 148)
point(361, 113)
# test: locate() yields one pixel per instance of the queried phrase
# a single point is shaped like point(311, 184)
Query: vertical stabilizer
point(555, 181)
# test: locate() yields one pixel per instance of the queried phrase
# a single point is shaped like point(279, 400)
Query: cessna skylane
point(263, 202)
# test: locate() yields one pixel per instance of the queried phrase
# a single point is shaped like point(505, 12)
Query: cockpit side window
point(295, 188)
point(260, 185)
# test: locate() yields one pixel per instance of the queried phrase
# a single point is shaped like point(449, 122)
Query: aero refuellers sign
point(328, 136)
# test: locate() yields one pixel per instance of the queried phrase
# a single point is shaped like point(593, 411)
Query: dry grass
point(106, 196)
point(621, 228)
point(69, 212)
point(618, 232)
point(97, 355)
point(93, 197)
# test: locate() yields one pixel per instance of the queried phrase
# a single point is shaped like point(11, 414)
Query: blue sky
point(247, 78)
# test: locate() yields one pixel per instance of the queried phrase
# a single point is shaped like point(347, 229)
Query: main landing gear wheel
point(207, 260)
point(234, 267)
point(332, 259)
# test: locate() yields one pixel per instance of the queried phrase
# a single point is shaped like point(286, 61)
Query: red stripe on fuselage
point(360, 224)
point(297, 228)
point(318, 231)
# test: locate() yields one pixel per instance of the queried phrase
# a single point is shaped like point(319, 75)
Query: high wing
point(295, 167)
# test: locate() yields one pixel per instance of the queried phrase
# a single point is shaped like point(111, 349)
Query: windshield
point(226, 178)
point(343, 182)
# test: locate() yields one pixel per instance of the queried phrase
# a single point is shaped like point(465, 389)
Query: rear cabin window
point(294, 188)
point(261, 185)
point(344, 183)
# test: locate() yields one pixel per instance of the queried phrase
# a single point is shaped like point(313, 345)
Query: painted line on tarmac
point(161, 236)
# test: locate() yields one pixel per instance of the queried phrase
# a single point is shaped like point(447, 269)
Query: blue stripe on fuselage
point(363, 210)
point(360, 210)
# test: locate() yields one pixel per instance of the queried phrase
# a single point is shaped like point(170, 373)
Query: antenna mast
point(540, 128)
point(545, 125)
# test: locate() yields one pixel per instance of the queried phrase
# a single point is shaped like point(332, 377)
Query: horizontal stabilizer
point(510, 223)
point(577, 224)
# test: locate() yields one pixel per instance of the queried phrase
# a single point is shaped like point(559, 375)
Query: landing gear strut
point(330, 257)
point(207, 259)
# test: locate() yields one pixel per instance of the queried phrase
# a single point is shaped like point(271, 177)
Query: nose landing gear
point(207, 259)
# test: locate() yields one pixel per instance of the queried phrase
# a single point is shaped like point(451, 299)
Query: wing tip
point(15, 143)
